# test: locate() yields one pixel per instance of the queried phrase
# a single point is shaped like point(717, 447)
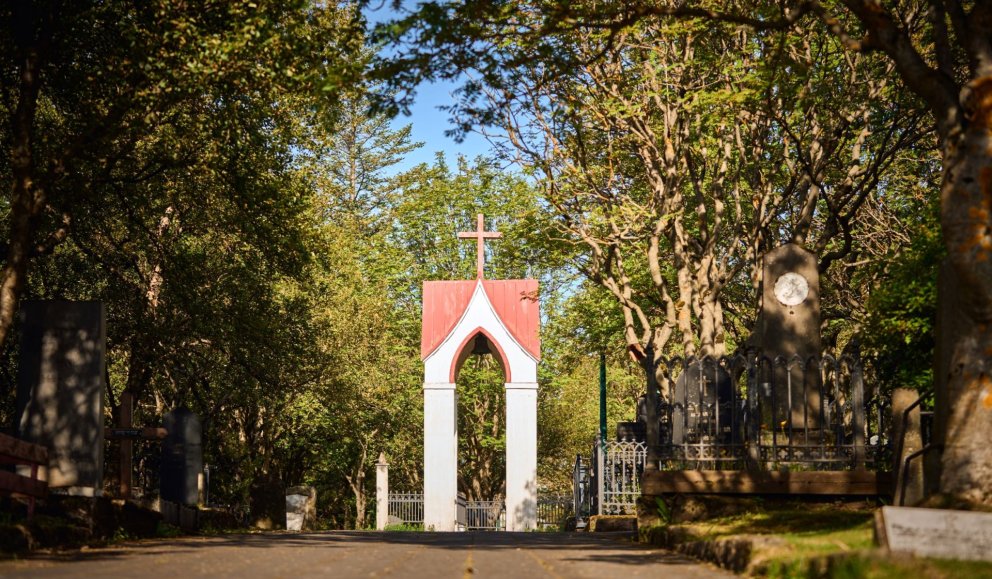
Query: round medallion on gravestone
point(791, 289)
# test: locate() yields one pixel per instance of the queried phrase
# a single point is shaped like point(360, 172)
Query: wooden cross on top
point(480, 234)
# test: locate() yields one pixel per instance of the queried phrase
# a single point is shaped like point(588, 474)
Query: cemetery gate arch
point(457, 313)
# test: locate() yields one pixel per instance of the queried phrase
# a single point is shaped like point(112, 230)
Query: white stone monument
point(504, 316)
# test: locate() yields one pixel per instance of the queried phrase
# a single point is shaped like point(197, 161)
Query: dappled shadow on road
point(617, 548)
point(654, 557)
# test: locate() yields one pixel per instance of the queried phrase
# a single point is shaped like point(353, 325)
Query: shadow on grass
point(789, 521)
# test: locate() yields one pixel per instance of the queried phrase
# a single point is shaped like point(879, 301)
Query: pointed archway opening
point(480, 373)
point(479, 343)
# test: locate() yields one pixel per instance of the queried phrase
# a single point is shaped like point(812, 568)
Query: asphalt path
point(369, 554)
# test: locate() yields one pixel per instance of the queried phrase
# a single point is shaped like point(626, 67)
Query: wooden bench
point(16, 451)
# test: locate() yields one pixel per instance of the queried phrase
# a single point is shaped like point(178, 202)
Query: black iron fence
point(743, 412)
point(757, 412)
point(553, 512)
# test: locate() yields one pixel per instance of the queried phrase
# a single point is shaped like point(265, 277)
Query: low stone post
point(381, 492)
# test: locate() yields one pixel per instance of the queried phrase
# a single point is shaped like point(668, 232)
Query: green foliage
point(899, 333)
point(169, 137)
point(664, 513)
point(168, 531)
point(481, 428)
point(120, 535)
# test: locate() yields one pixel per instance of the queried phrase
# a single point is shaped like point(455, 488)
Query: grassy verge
point(876, 565)
point(798, 541)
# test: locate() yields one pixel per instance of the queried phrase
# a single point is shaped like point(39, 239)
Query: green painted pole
point(602, 396)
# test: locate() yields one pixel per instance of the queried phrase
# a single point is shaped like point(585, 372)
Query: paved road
point(367, 554)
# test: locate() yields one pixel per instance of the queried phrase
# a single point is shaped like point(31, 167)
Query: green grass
point(873, 565)
point(810, 526)
point(821, 541)
point(404, 527)
point(816, 542)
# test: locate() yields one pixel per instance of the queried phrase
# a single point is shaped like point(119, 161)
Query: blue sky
point(428, 121)
point(429, 124)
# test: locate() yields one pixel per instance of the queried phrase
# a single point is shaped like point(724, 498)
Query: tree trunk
point(966, 217)
point(360, 500)
point(653, 435)
point(356, 480)
point(26, 196)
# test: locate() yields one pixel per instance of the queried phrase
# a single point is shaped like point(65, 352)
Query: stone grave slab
point(301, 508)
point(939, 533)
point(60, 385)
point(182, 458)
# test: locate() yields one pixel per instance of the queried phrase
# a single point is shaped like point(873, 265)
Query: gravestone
point(941, 533)
point(60, 385)
point(702, 405)
point(641, 419)
point(301, 508)
point(789, 326)
point(182, 458)
point(632, 431)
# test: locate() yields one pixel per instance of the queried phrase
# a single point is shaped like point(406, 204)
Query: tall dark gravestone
point(789, 325)
point(703, 405)
point(182, 457)
point(60, 385)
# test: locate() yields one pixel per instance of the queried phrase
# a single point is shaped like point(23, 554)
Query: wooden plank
point(789, 483)
point(14, 483)
point(152, 433)
point(22, 452)
point(127, 446)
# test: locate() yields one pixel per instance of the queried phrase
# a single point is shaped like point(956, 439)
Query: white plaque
point(941, 533)
point(791, 289)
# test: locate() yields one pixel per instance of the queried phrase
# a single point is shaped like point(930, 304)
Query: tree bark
point(356, 480)
point(27, 197)
point(966, 218)
point(653, 435)
point(963, 116)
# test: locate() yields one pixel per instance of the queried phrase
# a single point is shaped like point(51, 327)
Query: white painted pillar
point(440, 456)
point(521, 456)
point(381, 492)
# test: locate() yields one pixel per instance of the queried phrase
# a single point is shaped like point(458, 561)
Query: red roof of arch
point(515, 302)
